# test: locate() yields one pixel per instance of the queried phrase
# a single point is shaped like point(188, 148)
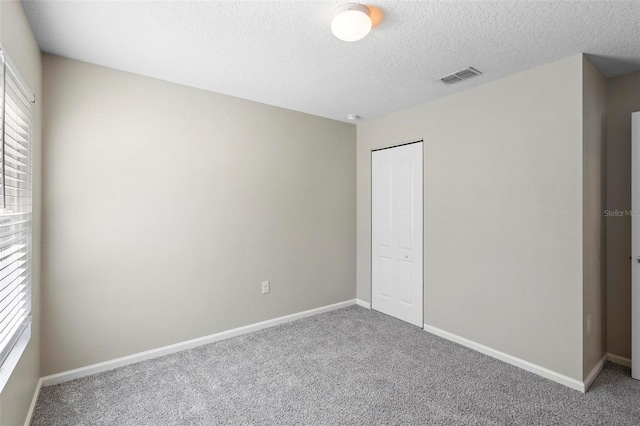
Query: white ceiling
point(283, 53)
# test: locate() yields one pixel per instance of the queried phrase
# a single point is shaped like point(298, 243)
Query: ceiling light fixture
point(351, 22)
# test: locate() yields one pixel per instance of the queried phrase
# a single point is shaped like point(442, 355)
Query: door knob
point(406, 256)
point(638, 259)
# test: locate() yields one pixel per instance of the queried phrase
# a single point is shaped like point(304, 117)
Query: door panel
point(384, 203)
point(405, 282)
point(385, 274)
point(405, 199)
point(396, 234)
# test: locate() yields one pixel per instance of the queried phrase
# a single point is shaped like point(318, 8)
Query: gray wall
point(623, 99)
point(166, 206)
point(503, 212)
point(18, 41)
point(594, 128)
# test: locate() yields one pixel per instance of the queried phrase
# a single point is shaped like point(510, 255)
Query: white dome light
point(351, 22)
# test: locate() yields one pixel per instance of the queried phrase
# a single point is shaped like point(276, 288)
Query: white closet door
point(635, 245)
point(396, 234)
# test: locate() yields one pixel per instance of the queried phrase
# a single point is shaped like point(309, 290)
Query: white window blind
point(16, 116)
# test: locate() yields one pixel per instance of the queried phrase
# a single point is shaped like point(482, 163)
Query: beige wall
point(623, 99)
point(594, 128)
point(166, 206)
point(502, 210)
point(18, 41)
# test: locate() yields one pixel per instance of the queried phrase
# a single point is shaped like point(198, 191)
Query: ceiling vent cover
point(460, 75)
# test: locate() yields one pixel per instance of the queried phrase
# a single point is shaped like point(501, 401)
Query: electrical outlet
point(589, 324)
point(265, 287)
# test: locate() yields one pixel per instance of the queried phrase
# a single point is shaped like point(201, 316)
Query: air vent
point(460, 75)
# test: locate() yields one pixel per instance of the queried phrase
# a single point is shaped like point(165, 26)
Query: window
point(16, 119)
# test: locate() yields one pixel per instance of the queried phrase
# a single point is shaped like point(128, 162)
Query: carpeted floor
point(351, 366)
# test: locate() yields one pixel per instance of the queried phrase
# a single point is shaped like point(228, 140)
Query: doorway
point(397, 232)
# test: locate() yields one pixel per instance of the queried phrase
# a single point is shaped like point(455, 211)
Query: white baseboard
point(626, 362)
point(363, 303)
point(509, 359)
point(32, 407)
point(597, 369)
point(77, 373)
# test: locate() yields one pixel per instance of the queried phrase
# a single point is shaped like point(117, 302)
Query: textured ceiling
point(283, 53)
